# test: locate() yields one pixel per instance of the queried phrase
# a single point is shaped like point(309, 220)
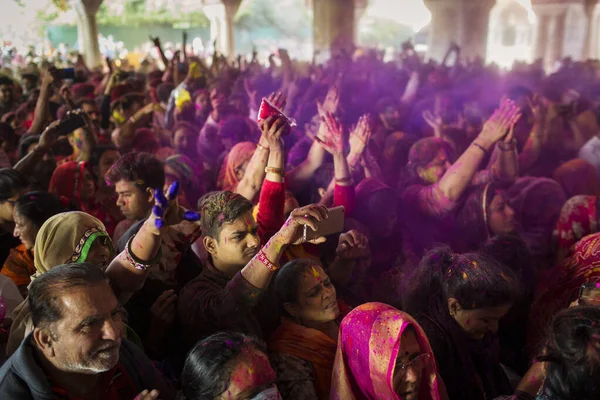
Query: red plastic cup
point(268, 109)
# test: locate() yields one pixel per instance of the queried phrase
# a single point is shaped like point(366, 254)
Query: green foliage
point(383, 32)
point(136, 14)
point(287, 18)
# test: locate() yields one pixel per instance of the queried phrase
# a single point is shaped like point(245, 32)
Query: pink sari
point(368, 346)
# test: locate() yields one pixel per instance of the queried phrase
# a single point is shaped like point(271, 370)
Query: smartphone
point(67, 73)
point(333, 224)
point(589, 294)
point(70, 123)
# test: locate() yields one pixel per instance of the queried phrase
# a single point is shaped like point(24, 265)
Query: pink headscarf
point(368, 346)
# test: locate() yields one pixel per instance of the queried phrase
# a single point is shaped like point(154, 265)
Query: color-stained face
point(479, 321)
point(217, 99)
point(435, 170)
point(7, 206)
point(107, 160)
point(88, 337)
point(501, 216)
point(184, 141)
point(238, 241)
point(6, 94)
point(101, 252)
point(88, 187)
point(134, 203)
point(25, 230)
point(410, 363)
point(316, 298)
point(251, 375)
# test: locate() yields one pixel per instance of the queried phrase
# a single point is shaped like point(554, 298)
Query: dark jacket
point(21, 377)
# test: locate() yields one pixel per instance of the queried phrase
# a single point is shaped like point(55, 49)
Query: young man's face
point(134, 202)
point(6, 94)
point(238, 242)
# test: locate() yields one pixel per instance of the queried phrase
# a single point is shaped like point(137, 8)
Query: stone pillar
point(360, 7)
point(334, 25)
point(563, 29)
point(221, 13)
point(87, 30)
point(464, 22)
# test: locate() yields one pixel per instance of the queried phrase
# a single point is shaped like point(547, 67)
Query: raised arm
point(129, 270)
point(41, 113)
point(163, 57)
point(506, 168)
point(251, 183)
point(458, 177)
point(533, 147)
point(123, 137)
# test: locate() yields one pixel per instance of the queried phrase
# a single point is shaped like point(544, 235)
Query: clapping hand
point(360, 135)
point(334, 135)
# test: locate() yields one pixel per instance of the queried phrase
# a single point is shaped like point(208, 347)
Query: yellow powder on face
point(315, 272)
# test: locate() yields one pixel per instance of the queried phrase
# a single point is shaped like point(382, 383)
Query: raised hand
point(49, 136)
point(273, 129)
point(166, 210)
point(497, 126)
point(331, 102)
point(251, 92)
point(155, 40)
point(435, 121)
point(292, 232)
point(333, 141)
point(360, 135)
point(278, 100)
point(352, 245)
point(147, 395)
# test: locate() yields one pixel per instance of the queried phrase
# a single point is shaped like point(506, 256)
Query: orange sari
point(307, 344)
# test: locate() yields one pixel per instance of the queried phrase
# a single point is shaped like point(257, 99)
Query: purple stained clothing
point(427, 216)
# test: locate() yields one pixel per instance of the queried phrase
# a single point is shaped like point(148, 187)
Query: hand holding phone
point(589, 294)
point(333, 224)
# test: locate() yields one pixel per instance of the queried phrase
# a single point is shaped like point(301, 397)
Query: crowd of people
point(156, 226)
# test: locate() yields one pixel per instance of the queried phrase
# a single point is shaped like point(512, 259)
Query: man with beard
point(76, 349)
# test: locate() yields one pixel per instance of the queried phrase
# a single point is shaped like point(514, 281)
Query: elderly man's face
point(87, 338)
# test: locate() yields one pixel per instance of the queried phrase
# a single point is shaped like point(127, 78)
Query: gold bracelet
point(261, 146)
point(273, 170)
point(343, 181)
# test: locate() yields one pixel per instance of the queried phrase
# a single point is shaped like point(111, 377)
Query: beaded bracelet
point(262, 257)
point(136, 262)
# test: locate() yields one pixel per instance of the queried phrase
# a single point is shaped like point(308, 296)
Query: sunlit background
point(124, 26)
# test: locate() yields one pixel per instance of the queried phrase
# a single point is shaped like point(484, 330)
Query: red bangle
point(262, 257)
